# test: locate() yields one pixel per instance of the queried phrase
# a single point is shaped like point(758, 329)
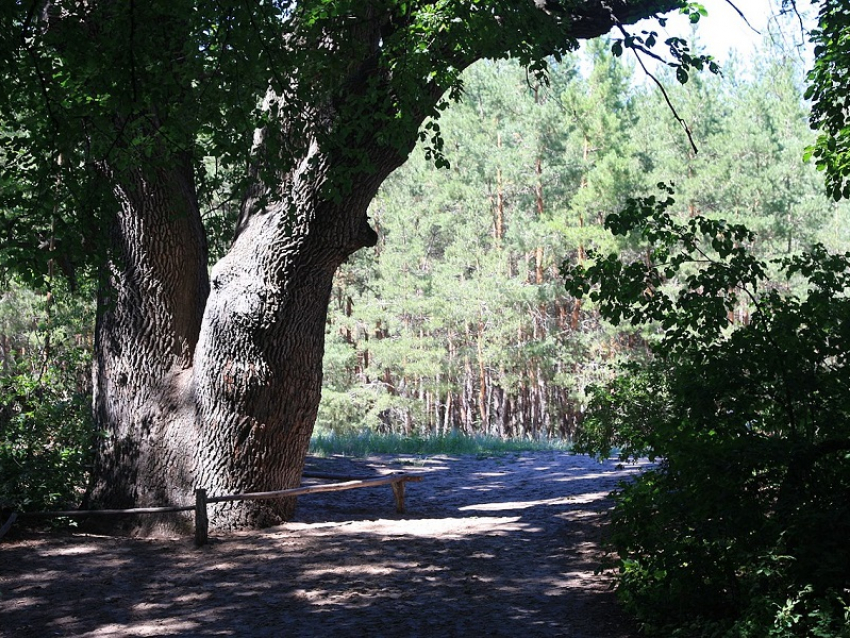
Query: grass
point(364, 443)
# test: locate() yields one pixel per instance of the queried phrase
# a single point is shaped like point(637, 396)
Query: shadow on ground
point(493, 547)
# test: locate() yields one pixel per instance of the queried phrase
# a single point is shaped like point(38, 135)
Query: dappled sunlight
point(582, 477)
point(161, 628)
point(374, 570)
point(77, 550)
point(22, 602)
point(481, 488)
point(590, 497)
point(191, 599)
point(488, 547)
point(434, 528)
point(516, 505)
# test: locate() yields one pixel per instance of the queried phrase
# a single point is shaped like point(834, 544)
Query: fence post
point(8, 525)
point(201, 520)
point(398, 492)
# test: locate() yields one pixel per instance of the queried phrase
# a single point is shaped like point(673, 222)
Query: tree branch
point(664, 93)
point(743, 17)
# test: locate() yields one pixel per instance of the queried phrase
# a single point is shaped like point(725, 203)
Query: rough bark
point(259, 362)
point(151, 301)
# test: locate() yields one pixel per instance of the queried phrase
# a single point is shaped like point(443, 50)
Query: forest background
point(458, 320)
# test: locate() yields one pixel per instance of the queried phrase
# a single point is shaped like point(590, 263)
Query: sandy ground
point(488, 547)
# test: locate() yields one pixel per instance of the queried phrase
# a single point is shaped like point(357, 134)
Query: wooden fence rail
point(396, 481)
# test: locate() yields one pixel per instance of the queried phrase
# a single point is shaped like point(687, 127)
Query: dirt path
point(489, 547)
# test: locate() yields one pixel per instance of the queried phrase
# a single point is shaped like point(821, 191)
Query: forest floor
point(498, 546)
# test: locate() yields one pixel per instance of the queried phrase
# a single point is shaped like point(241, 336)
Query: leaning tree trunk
point(258, 367)
point(214, 381)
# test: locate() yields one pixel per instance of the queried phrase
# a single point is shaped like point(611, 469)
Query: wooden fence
point(396, 481)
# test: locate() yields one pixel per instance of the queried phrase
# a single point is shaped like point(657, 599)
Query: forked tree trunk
point(216, 383)
point(214, 380)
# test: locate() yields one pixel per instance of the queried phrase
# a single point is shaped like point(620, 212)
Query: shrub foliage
point(46, 430)
point(741, 528)
point(46, 438)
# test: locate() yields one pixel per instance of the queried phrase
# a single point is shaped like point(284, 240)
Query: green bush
point(46, 433)
point(742, 528)
point(45, 444)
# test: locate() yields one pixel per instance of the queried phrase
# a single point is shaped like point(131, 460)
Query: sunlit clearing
point(424, 528)
point(516, 505)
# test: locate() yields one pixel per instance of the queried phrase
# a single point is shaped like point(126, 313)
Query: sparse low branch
point(661, 87)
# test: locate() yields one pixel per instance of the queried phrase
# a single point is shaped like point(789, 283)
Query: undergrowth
point(366, 442)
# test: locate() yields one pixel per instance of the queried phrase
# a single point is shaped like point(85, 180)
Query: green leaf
point(617, 48)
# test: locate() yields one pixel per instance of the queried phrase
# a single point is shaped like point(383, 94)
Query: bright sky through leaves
point(724, 31)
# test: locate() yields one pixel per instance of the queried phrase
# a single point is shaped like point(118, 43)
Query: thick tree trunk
point(214, 381)
point(258, 367)
point(150, 306)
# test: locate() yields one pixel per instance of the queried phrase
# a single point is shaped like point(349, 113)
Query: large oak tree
point(210, 376)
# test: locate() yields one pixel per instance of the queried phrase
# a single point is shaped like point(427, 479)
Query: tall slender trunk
point(499, 222)
point(482, 378)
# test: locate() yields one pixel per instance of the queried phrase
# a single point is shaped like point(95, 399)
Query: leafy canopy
point(829, 81)
point(93, 91)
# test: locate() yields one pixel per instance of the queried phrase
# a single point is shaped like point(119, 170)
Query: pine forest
point(458, 319)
